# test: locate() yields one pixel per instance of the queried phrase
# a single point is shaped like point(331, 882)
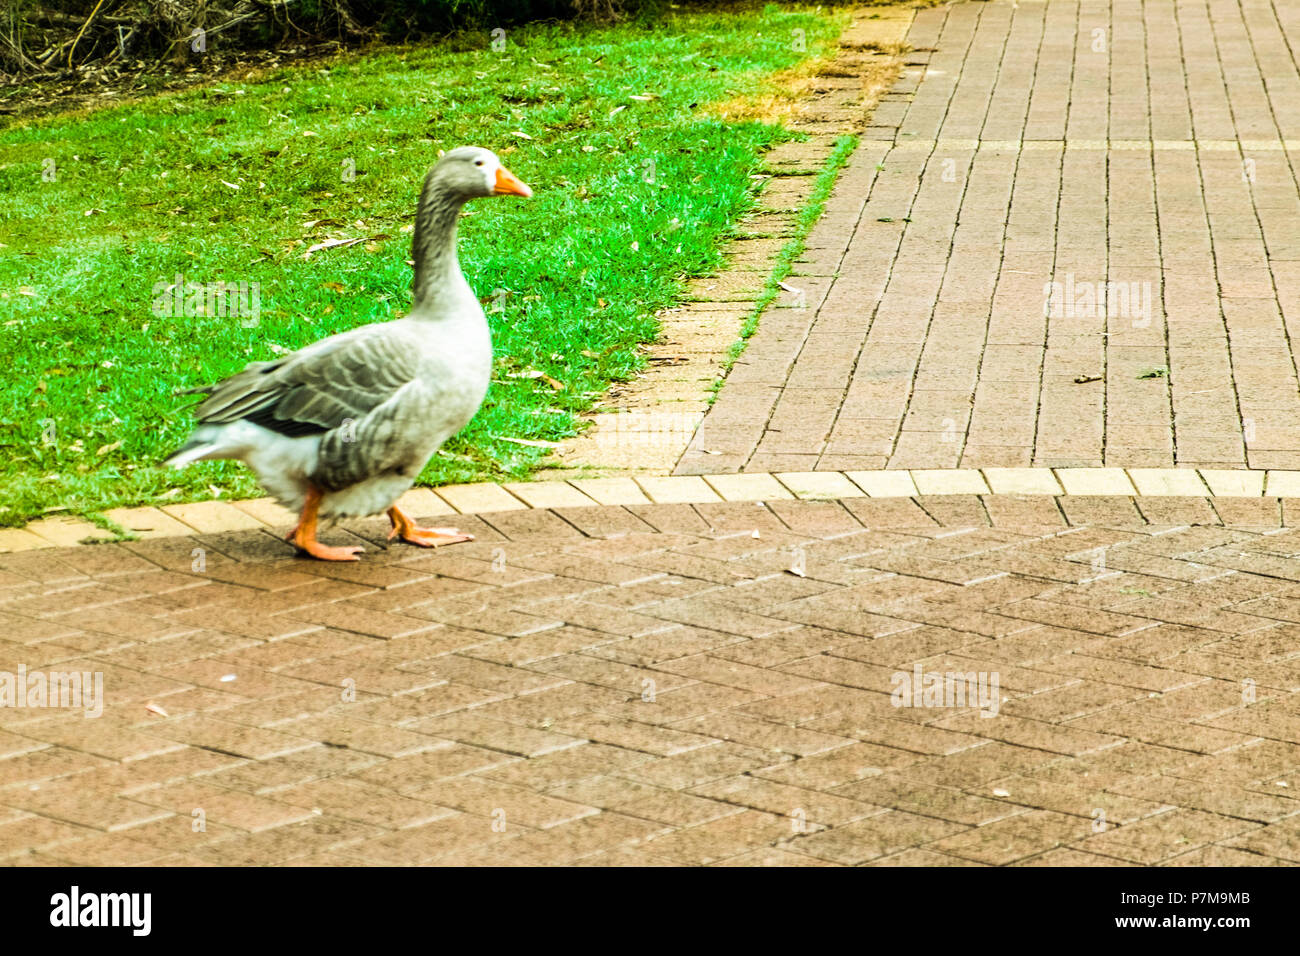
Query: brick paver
point(706, 683)
point(1068, 238)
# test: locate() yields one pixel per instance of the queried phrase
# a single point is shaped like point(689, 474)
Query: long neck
point(434, 246)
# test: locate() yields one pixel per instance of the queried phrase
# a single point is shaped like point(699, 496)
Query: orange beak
point(508, 184)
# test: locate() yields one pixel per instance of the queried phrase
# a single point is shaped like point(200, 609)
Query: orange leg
point(412, 533)
point(303, 537)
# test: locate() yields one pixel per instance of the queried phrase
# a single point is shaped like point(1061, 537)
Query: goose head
point(471, 171)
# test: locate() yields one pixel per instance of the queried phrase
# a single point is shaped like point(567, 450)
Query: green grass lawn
point(636, 185)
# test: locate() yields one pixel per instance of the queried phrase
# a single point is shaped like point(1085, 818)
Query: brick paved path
point(1147, 144)
point(657, 684)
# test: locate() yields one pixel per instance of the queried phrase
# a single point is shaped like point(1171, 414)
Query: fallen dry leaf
point(331, 244)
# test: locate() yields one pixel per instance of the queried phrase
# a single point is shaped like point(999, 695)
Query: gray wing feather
point(318, 388)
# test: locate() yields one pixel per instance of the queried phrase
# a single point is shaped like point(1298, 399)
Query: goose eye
point(478, 162)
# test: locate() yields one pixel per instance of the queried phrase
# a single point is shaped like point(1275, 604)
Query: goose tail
point(191, 451)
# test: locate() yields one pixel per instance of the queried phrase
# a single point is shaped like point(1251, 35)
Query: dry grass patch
point(791, 89)
point(777, 102)
point(783, 96)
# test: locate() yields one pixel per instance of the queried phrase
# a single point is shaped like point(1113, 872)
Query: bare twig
point(22, 59)
point(77, 38)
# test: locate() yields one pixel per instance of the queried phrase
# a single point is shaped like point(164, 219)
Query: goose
point(344, 426)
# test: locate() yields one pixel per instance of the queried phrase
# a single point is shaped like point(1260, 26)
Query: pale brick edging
point(211, 517)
